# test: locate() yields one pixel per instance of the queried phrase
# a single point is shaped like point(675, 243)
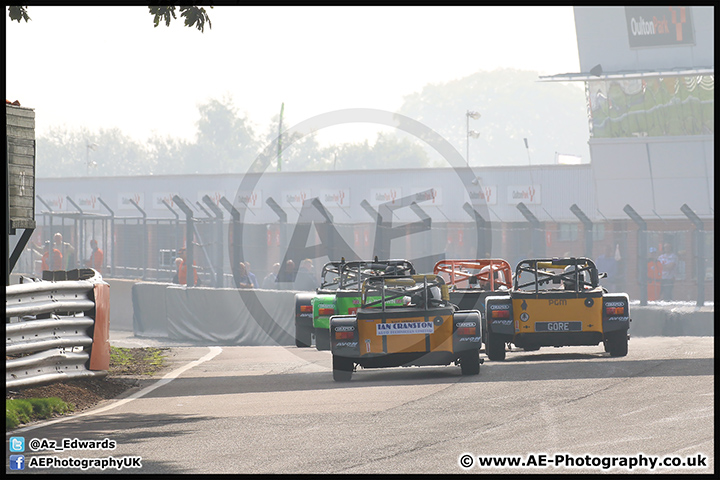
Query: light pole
point(468, 115)
point(90, 146)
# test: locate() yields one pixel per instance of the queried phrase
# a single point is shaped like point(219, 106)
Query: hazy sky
point(104, 67)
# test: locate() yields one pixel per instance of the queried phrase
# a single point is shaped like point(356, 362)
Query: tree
point(300, 152)
point(168, 154)
point(194, 16)
point(66, 153)
point(514, 105)
point(226, 141)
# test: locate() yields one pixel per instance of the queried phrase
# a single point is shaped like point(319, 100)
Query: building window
point(598, 232)
point(567, 232)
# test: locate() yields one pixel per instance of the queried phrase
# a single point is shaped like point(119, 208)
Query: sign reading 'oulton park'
point(659, 26)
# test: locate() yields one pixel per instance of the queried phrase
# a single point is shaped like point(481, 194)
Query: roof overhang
point(624, 75)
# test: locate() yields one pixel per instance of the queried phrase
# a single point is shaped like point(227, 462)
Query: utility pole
point(279, 155)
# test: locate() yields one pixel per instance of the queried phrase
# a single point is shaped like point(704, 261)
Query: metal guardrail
point(57, 330)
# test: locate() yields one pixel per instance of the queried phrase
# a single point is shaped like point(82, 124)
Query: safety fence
point(57, 328)
point(145, 249)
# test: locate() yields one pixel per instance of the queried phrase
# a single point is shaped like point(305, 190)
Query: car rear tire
point(495, 347)
point(470, 362)
point(617, 344)
point(342, 368)
point(303, 337)
point(322, 339)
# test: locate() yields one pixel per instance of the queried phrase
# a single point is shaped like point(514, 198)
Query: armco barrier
point(57, 330)
point(223, 316)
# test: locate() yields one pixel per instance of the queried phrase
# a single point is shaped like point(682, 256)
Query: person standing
point(607, 263)
point(654, 274)
point(270, 280)
point(243, 280)
point(176, 276)
point(96, 257)
point(305, 279)
point(253, 278)
point(288, 274)
point(182, 270)
point(54, 263)
point(669, 261)
point(68, 252)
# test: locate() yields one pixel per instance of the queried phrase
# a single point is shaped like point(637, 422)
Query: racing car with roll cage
point(470, 281)
point(329, 282)
point(556, 302)
point(339, 293)
point(405, 320)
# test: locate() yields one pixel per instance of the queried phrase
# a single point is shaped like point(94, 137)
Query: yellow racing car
point(405, 320)
point(556, 302)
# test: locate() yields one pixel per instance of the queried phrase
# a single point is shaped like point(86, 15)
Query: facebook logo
point(17, 462)
point(17, 444)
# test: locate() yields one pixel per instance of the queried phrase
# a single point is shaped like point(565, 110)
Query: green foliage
point(18, 13)
point(145, 361)
point(389, 151)
point(31, 409)
point(514, 105)
point(194, 15)
point(75, 153)
point(226, 141)
point(120, 355)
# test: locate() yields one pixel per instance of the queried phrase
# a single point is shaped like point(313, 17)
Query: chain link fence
point(146, 248)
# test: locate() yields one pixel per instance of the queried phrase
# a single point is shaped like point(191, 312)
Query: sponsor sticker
point(404, 328)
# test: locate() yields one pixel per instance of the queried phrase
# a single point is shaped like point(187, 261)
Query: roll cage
point(330, 276)
point(421, 291)
point(550, 272)
point(352, 274)
point(469, 274)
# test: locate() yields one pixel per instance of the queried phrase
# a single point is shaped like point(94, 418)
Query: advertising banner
point(125, 204)
point(528, 194)
point(659, 26)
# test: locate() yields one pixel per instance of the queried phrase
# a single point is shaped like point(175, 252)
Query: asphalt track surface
point(278, 410)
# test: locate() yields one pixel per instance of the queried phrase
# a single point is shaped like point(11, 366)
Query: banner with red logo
point(528, 194)
point(88, 202)
point(339, 197)
point(124, 202)
point(659, 26)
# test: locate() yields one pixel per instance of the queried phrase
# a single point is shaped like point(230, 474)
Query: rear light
point(306, 308)
point(466, 331)
point(500, 314)
point(611, 311)
point(343, 335)
point(326, 312)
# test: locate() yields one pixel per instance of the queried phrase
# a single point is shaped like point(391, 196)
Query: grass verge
point(26, 410)
point(123, 362)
